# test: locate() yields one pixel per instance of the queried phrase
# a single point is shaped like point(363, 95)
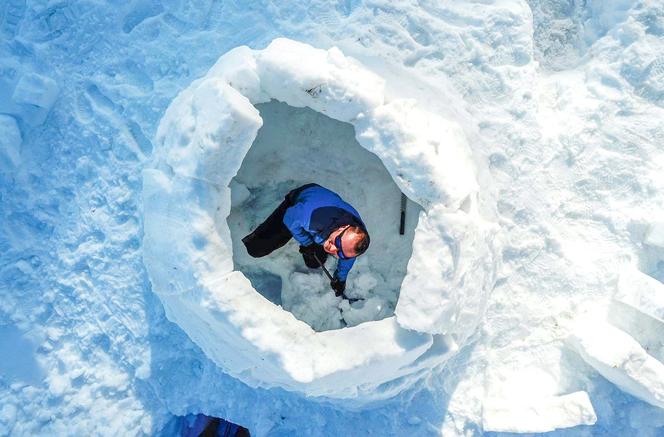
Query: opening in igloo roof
point(296, 146)
point(203, 139)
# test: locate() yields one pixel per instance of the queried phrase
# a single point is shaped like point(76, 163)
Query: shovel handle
point(324, 269)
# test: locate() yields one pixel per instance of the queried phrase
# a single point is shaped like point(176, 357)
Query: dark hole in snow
point(297, 146)
point(268, 283)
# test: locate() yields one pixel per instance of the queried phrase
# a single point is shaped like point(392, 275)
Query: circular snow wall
point(201, 142)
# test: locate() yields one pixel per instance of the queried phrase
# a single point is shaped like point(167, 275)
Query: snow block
point(538, 415)
point(324, 80)
point(621, 360)
point(641, 292)
point(450, 274)
point(427, 156)
point(655, 235)
point(207, 132)
point(238, 69)
point(34, 89)
point(175, 227)
point(200, 144)
point(10, 143)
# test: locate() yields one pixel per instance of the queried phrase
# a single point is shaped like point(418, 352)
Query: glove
point(338, 286)
point(309, 256)
point(308, 250)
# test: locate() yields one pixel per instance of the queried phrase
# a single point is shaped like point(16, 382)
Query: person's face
point(348, 240)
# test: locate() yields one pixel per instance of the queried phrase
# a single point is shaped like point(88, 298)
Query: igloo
point(200, 145)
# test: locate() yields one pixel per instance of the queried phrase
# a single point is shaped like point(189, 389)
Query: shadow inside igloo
point(296, 146)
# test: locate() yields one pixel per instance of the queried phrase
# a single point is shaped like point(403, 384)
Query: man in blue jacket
point(321, 222)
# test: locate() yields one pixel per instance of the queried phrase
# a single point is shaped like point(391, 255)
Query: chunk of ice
point(641, 292)
point(37, 90)
point(621, 360)
point(538, 415)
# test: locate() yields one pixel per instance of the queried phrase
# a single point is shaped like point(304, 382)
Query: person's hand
point(308, 250)
point(338, 286)
point(309, 256)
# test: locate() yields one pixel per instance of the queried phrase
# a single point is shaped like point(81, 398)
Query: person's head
point(347, 242)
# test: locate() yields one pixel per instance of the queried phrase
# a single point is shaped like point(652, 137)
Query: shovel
point(327, 273)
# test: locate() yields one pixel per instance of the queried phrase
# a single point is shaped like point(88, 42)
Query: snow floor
point(562, 103)
point(297, 146)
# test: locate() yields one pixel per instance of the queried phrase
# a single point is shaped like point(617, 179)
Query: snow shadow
point(19, 363)
point(296, 146)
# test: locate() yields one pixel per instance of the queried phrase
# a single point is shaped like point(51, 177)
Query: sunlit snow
point(528, 290)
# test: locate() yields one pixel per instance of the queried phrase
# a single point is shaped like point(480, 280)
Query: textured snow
point(560, 102)
point(10, 143)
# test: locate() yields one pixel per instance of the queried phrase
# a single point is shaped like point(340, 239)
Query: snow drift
point(201, 142)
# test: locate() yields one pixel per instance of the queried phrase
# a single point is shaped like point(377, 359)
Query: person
point(322, 223)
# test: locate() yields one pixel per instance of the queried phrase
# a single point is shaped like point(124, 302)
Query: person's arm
point(343, 267)
point(295, 226)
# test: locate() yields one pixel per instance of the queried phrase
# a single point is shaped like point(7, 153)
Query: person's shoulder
point(322, 189)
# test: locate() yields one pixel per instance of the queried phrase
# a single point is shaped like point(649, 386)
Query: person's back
point(319, 211)
point(322, 222)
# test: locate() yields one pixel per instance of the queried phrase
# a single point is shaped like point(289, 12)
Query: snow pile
point(201, 143)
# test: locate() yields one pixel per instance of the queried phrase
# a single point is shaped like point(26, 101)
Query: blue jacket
point(317, 212)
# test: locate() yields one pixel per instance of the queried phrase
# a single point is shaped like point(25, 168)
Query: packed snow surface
point(559, 105)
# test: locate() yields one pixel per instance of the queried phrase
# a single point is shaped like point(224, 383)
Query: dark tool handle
point(324, 269)
point(402, 224)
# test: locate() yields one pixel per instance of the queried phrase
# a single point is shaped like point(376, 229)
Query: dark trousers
point(272, 233)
